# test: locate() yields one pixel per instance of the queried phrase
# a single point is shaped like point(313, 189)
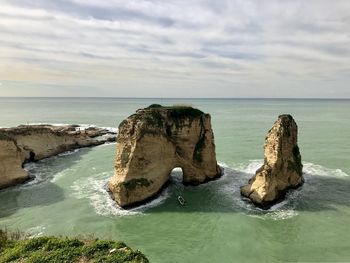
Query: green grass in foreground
point(15, 248)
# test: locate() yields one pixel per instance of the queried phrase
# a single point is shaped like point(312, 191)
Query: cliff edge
point(28, 143)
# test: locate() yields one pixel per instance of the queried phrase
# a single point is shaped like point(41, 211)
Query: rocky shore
point(28, 143)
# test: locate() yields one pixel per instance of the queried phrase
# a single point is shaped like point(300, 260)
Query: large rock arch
point(154, 141)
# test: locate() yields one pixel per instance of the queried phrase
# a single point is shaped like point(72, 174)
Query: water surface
point(68, 196)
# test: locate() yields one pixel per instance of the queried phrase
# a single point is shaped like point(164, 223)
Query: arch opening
point(176, 175)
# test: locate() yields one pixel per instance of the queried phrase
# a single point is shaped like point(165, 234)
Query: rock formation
point(282, 168)
point(27, 143)
point(155, 140)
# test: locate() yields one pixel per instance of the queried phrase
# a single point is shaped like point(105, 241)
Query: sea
point(68, 196)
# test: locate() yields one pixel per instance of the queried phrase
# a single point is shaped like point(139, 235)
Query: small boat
point(181, 200)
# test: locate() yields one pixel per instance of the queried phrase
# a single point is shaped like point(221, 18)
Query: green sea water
point(68, 195)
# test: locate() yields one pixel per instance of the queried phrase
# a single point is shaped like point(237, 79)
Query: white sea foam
point(319, 170)
point(43, 170)
point(242, 172)
point(69, 152)
point(94, 189)
point(227, 188)
point(58, 176)
point(250, 167)
point(36, 231)
point(81, 127)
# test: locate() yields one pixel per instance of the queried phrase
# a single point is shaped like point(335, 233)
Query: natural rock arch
point(154, 141)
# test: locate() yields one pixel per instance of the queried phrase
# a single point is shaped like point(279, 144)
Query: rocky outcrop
point(282, 168)
point(11, 160)
point(155, 140)
point(27, 143)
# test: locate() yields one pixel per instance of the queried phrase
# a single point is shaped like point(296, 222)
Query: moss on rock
point(133, 183)
point(197, 154)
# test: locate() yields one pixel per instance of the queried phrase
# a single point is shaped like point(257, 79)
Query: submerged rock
point(282, 168)
point(28, 143)
point(154, 141)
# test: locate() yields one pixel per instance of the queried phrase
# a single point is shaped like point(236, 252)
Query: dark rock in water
point(27, 143)
point(155, 140)
point(282, 168)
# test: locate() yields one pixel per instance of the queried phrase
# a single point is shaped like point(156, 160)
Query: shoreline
point(31, 143)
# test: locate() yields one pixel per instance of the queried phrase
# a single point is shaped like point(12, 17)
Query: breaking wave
point(95, 189)
point(224, 193)
point(81, 127)
point(48, 170)
point(242, 172)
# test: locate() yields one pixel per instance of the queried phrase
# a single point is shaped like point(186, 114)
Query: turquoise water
point(68, 196)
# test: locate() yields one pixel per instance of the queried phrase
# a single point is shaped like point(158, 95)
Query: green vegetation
point(133, 183)
point(297, 160)
point(4, 136)
point(184, 111)
point(156, 117)
point(178, 111)
point(15, 248)
point(197, 154)
point(152, 106)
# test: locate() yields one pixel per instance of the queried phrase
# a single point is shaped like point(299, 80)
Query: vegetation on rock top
point(5, 137)
point(178, 111)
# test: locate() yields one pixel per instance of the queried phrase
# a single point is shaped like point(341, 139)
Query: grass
point(16, 247)
point(4, 136)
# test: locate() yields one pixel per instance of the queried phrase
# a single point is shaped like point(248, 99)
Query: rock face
point(27, 143)
point(11, 160)
point(154, 141)
point(282, 168)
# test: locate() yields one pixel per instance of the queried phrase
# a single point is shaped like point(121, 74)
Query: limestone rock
point(11, 160)
point(154, 141)
point(282, 168)
point(27, 143)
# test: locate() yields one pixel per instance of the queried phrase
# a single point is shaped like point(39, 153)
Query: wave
point(81, 127)
point(95, 189)
point(225, 192)
point(69, 152)
point(242, 172)
point(308, 168)
point(44, 171)
point(36, 231)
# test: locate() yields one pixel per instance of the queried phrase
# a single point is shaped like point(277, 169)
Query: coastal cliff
point(11, 160)
point(28, 143)
point(154, 141)
point(282, 168)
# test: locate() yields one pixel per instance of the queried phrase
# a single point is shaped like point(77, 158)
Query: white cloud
point(144, 48)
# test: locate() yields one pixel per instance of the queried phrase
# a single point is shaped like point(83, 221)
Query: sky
point(175, 48)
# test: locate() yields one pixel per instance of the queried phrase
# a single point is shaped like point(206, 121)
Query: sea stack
point(282, 168)
point(154, 141)
point(27, 143)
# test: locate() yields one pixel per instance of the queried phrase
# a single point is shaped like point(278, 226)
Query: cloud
point(144, 47)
